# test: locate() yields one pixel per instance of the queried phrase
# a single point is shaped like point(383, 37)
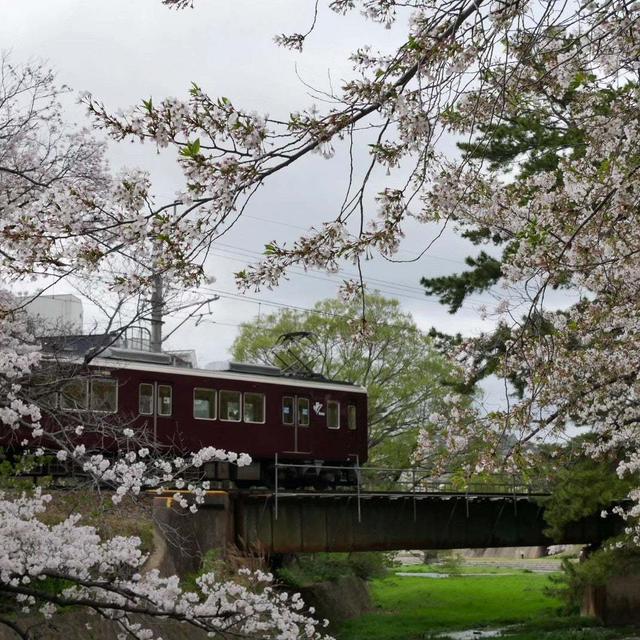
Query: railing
point(416, 482)
point(136, 338)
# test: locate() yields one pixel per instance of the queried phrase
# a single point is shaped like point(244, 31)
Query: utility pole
point(156, 313)
point(157, 299)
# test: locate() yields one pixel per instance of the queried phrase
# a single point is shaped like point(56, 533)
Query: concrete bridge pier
point(182, 538)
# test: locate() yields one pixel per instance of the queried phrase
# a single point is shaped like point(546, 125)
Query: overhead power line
point(384, 286)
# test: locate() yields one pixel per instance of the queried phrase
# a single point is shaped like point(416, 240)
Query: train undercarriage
point(291, 474)
point(261, 473)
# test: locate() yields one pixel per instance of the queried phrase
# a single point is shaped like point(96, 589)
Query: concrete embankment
point(338, 600)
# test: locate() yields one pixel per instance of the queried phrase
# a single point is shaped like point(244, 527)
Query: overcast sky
point(125, 50)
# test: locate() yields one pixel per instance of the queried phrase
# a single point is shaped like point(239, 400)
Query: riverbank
point(511, 604)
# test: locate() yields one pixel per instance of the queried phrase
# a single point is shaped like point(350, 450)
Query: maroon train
point(314, 424)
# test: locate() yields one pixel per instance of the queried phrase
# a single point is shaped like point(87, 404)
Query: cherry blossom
point(108, 576)
point(64, 215)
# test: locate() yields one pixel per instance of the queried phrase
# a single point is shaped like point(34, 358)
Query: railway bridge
point(262, 523)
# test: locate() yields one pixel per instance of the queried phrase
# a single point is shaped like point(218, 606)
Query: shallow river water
point(472, 634)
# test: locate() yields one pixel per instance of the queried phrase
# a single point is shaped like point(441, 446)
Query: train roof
point(234, 371)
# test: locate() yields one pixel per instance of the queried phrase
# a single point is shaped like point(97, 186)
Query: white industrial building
point(55, 314)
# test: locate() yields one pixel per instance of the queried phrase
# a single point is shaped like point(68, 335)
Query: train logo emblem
point(317, 407)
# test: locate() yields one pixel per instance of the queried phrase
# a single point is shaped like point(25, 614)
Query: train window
point(145, 399)
point(230, 406)
point(74, 395)
point(164, 400)
point(333, 414)
point(287, 410)
point(104, 395)
point(42, 387)
point(303, 412)
point(351, 416)
point(254, 407)
point(204, 404)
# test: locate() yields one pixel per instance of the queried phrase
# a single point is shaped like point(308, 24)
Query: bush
point(311, 568)
point(211, 562)
point(430, 555)
point(368, 565)
point(452, 564)
point(581, 487)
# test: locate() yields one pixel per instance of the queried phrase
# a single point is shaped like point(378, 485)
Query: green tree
point(405, 375)
point(580, 485)
point(522, 145)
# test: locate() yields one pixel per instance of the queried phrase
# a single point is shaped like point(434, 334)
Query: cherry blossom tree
point(107, 576)
point(63, 216)
point(465, 66)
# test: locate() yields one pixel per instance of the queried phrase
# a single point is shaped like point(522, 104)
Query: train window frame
point(86, 395)
point(337, 403)
point(159, 404)
point(300, 399)
point(111, 382)
point(264, 407)
point(215, 403)
point(150, 412)
point(293, 411)
point(352, 417)
point(239, 394)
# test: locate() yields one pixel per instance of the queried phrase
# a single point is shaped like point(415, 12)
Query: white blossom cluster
point(575, 226)
point(63, 213)
point(108, 575)
point(135, 471)
point(18, 356)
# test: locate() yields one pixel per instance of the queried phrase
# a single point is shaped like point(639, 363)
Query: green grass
point(411, 608)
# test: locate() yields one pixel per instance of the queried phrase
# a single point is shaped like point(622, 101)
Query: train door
point(296, 413)
point(155, 400)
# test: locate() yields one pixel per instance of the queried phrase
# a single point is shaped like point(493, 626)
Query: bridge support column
point(183, 538)
point(615, 603)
